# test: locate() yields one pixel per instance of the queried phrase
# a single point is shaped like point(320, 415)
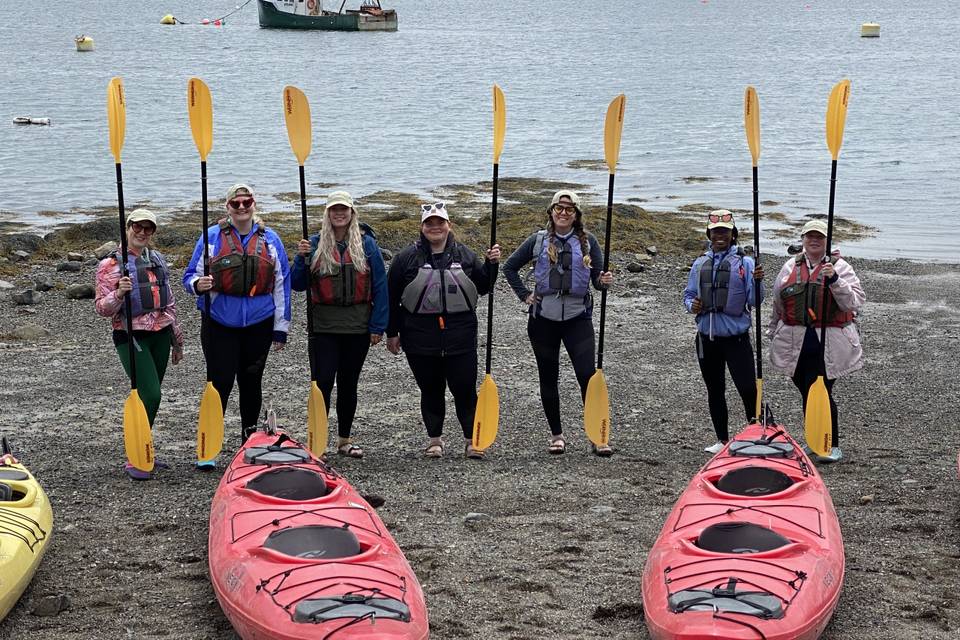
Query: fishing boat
point(310, 14)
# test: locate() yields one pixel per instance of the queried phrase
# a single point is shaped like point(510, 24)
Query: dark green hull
point(272, 18)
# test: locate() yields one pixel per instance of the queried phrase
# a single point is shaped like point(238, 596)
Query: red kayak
point(751, 551)
point(295, 552)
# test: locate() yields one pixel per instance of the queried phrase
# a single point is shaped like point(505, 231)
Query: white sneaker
point(715, 448)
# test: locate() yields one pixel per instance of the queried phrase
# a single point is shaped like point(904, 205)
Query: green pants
point(151, 365)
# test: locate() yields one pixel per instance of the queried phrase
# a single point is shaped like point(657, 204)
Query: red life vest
point(239, 270)
point(803, 298)
point(346, 287)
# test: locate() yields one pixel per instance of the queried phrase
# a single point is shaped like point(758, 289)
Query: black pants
point(545, 338)
point(238, 353)
point(736, 354)
point(809, 368)
point(340, 357)
point(433, 375)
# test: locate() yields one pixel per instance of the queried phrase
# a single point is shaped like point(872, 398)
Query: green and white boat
point(310, 14)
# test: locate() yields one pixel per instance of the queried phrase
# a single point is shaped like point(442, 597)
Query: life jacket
point(715, 291)
point(345, 288)
point(803, 298)
point(239, 270)
point(150, 278)
point(438, 291)
point(568, 275)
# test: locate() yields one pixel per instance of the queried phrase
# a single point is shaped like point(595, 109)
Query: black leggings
point(736, 354)
point(433, 374)
point(809, 368)
point(238, 353)
point(340, 357)
point(545, 338)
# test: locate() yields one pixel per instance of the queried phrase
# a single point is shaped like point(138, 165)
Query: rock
point(626, 294)
point(80, 291)
point(794, 249)
point(27, 297)
point(105, 249)
point(69, 266)
point(6, 285)
point(43, 283)
point(634, 267)
point(27, 311)
point(29, 332)
point(27, 242)
point(99, 230)
point(909, 481)
point(866, 499)
point(601, 509)
point(473, 517)
point(652, 250)
point(91, 262)
point(73, 256)
point(51, 605)
point(748, 250)
point(642, 257)
point(19, 256)
point(374, 500)
point(387, 254)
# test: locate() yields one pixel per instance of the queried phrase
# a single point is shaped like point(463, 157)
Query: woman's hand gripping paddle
point(596, 406)
point(818, 423)
point(296, 112)
point(137, 439)
point(210, 420)
point(487, 416)
point(751, 122)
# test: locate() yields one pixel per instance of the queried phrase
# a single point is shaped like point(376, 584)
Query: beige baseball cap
point(436, 210)
point(814, 225)
point(566, 193)
point(238, 188)
point(339, 197)
point(721, 218)
point(141, 215)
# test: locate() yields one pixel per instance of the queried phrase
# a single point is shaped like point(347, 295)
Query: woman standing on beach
point(249, 290)
point(348, 289)
point(434, 285)
point(567, 259)
point(720, 293)
point(156, 331)
point(797, 313)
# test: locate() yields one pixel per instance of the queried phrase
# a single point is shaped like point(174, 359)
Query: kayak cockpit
point(740, 537)
point(315, 542)
point(290, 483)
point(753, 481)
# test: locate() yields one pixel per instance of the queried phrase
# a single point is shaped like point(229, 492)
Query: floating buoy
point(205, 21)
point(217, 23)
point(168, 19)
point(870, 30)
point(84, 43)
point(26, 120)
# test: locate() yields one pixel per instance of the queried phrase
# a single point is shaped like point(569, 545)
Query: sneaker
point(206, 465)
point(835, 456)
point(134, 473)
point(715, 448)
point(160, 463)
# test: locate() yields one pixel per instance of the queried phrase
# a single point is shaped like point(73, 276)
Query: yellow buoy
point(870, 30)
point(168, 19)
point(84, 43)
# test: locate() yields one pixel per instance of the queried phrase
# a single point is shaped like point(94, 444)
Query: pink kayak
point(751, 551)
point(296, 553)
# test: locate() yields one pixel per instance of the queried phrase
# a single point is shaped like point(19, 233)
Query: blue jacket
point(243, 311)
point(380, 313)
point(716, 323)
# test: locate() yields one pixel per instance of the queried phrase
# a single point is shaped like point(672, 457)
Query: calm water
point(411, 110)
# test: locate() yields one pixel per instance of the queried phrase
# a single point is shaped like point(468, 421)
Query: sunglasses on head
point(241, 203)
point(429, 207)
point(146, 229)
point(725, 217)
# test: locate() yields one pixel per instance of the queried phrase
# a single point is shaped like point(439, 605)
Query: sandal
point(604, 450)
point(434, 451)
point(557, 446)
point(350, 450)
point(473, 454)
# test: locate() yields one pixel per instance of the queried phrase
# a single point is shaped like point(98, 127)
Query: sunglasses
point(561, 208)
point(241, 203)
point(146, 229)
point(726, 217)
point(429, 207)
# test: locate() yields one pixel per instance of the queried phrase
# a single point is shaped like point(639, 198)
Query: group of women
point(426, 306)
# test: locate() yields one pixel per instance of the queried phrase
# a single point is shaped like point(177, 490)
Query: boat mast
point(341, 6)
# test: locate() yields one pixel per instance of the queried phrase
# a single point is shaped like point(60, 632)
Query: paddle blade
point(759, 408)
point(751, 122)
point(486, 420)
point(596, 410)
point(209, 424)
point(817, 422)
point(837, 116)
point(612, 129)
point(317, 427)
point(296, 112)
point(499, 122)
point(116, 116)
point(137, 440)
point(200, 108)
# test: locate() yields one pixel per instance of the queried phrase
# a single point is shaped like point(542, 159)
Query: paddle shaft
point(606, 267)
point(205, 325)
point(826, 256)
point(127, 304)
point(493, 241)
point(307, 260)
point(756, 260)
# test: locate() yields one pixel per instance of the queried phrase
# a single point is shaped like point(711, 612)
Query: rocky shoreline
point(561, 544)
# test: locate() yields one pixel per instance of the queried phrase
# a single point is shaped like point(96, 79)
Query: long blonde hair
point(324, 261)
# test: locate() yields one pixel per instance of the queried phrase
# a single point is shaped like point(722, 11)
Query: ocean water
point(412, 110)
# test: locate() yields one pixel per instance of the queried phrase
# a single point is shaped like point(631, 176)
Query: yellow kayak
point(26, 522)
